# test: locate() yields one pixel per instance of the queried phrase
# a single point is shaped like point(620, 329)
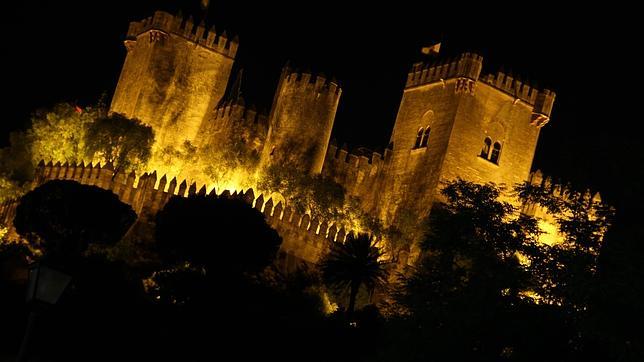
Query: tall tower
point(454, 123)
point(174, 74)
point(301, 121)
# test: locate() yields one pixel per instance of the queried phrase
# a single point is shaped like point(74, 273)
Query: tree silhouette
point(353, 264)
point(470, 280)
point(216, 233)
point(64, 217)
point(217, 271)
point(569, 272)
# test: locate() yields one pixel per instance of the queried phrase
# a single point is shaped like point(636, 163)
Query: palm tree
point(352, 264)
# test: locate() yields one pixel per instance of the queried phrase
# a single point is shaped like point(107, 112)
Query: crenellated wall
point(360, 173)
point(233, 120)
point(467, 66)
point(186, 28)
point(541, 100)
point(547, 221)
point(305, 237)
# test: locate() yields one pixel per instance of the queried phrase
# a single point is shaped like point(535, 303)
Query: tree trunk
point(355, 286)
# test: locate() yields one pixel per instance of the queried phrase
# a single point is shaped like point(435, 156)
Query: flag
point(432, 49)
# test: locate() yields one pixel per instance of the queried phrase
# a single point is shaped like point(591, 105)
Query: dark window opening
point(496, 151)
point(419, 138)
point(423, 143)
point(485, 152)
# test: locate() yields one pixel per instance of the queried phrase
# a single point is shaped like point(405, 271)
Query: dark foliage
point(353, 264)
point(103, 316)
point(216, 233)
point(466, 292)
point(66, 217)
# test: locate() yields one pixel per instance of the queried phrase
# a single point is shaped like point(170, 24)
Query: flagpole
point(205, 8)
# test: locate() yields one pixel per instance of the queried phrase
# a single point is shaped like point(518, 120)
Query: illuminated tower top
point(184, 27)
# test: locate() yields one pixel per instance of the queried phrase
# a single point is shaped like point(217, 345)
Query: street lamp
point(46, 284)
point(44, 288)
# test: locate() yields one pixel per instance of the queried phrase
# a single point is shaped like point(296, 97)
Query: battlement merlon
point(166, 23)
point(316, 82)
point(563, 191)
point(231, 108)
point(541, 100)
point(467, 65)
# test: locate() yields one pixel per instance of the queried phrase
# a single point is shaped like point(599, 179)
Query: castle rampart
point(467, 65)
point(359, 173)
point(541, 100)
point(305, 238)
point(547, 221)
point(234, 117)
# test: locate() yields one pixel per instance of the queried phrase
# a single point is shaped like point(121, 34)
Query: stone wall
point(305, 237)
point(547, 221)
point(234, 121)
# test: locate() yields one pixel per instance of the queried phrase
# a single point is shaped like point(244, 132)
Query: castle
point(453, 122)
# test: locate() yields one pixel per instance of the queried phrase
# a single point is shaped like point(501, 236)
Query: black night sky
point(72, 51)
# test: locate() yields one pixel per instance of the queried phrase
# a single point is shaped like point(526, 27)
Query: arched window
point(485, 152)
point(496, 151)
point(419, 138)
point(423, 143)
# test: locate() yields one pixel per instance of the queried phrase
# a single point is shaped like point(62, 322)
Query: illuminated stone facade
point(301, 121)
point(453, 122)
point(174, 75)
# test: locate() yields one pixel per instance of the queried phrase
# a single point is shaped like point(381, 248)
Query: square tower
point(174, 75)
point(453, 123)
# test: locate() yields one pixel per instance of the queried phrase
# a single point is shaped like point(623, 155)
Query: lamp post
point(44, 288)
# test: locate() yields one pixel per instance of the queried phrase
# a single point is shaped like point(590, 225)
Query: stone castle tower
point(301, 121)
point(454, 121)
point(174, 75)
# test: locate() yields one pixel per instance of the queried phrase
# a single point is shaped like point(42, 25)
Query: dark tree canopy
point(67, 216)
point(353, 264)
point(461, 297)
point(216, 233)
